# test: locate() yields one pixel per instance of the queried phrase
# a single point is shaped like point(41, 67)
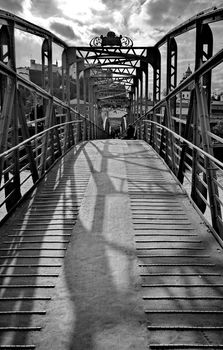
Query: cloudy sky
point(78, 21)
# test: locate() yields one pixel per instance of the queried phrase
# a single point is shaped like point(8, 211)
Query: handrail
point(36, 136)
point(215, 137)
point(188, 142)
point(5, 153)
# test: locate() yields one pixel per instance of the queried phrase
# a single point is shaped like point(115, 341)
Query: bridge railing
point(31, 144)
point(179, 154)
point(187, 145)
point(24, 165)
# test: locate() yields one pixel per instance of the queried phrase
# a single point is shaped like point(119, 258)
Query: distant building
point(216, 112)
point(183, 100)
point(35, 74)
point(24, 72)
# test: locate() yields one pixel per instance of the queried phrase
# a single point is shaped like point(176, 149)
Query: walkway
point(108, 254)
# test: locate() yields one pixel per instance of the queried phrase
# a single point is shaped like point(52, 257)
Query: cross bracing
point(125, 63)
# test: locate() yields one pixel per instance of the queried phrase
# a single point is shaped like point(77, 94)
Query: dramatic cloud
point(168, 13)
point(65, 30)
point(100, 30)
point(45, 9)
point(102, 16)
point(114, 4)
point(12, 5)
point(154, 18)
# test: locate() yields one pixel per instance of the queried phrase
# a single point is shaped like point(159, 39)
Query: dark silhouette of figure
point(113, 134)
point(130, 132)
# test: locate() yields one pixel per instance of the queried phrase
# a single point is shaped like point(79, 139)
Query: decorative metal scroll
point(111, 40)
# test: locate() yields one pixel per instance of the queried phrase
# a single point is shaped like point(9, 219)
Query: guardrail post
point(56, 133)
point(187, 132)
point(84, 130)
point(5, 117)
point(43, 164)
point(88, 130)
point(26, 135)
point(172, 162)
point(79, 131)
point(209, 166)
point(145, 131)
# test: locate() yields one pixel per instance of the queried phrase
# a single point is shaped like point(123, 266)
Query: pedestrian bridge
point(110, 243)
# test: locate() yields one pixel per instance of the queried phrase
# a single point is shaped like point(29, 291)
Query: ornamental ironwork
point(111, 40)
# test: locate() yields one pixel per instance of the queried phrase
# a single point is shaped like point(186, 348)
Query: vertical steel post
point(204, 49)
point(91, 107)
point(47, 68)
point(66, 86)
point(86, 105)
point(49, 111)
point(156, 64)
point(171, 83)
point(47, 84)
point(26, 135)
point(130, 109)
point(9, 114)
point(154, 58)
point(186, 135)
point(79, 68)
point(209, 165)
point(146, 86)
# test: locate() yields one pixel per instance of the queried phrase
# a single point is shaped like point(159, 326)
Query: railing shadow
point(39, 258)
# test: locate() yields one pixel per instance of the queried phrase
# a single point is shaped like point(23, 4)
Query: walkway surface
point(108, 254)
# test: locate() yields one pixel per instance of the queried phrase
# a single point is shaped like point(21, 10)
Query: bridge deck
point(136, 267)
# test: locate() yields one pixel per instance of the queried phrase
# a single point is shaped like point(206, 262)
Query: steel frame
point(130, 67)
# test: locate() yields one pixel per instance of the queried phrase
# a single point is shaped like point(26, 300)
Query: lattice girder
point(126, 63)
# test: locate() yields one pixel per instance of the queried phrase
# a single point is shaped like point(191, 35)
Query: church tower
point(184, 95)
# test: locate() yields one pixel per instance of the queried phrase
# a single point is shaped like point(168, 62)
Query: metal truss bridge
point(111, 243)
